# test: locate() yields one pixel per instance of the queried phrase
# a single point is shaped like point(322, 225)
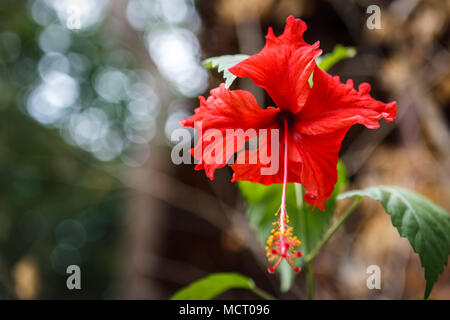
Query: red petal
point(226, 109)
point(312, 162)
point(331, 109)
point(333, 105)
point(283, 66)
point(253, 173)
point(319, 156)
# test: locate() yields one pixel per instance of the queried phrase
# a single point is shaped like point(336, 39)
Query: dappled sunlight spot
point(144, 104)
point(91, 130)
point(48, 102)
point(42, 13)
point(174, 11)
point(110, 147)
point(121, 113)
point(144, 15)
point(176, 53)
point(141, 91)
point(137, 158)
point(53, 62)
point(55, 38)
point(143, 109)
point(110, 84)
point(141, 13)
point(79, 14)
point(79, 64)
point(193, 82)
point(173, 122)
point(140, 131)
point(88, 127)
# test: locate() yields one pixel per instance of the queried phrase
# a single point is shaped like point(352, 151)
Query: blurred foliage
point(339, 53)
point(75, 103)
point(57, 207)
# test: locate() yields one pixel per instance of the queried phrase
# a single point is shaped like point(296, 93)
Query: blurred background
point(90, 92)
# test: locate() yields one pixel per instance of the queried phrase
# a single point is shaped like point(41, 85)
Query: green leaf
point(213, 285)
point(339, 53)
point(328, 60)
point(262, 203)
point(223, 63)
point(423, 223)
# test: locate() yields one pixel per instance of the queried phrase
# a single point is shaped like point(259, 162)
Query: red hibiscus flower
point(312, 120)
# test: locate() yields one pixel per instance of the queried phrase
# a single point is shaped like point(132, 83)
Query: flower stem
point(299, 191)
point(329, 233)
point(310, 280)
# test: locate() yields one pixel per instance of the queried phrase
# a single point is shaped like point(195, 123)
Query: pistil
point(281, 244)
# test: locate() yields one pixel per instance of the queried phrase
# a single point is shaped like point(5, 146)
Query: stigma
point(281, 245)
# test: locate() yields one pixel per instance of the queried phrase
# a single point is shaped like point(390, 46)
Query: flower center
point(285, 119)
point(281, 244)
